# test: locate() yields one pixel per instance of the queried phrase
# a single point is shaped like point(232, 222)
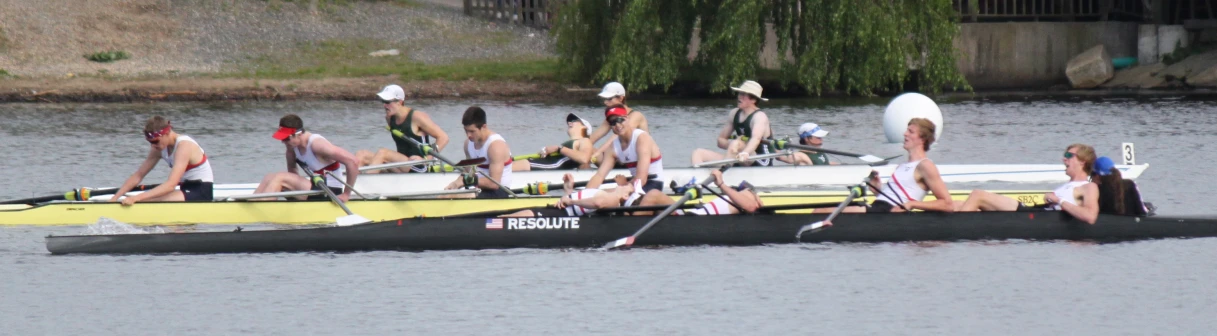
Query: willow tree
point(857, 46)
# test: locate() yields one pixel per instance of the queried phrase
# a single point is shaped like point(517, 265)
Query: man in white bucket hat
point(810, 134)
point(744, 131)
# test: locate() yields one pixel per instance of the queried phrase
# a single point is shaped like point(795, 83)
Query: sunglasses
point(614, 121)
point(387, 101)
point(153, 141)
point(1069, 155)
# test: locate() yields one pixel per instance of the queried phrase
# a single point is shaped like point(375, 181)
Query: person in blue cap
point(1117, 196)
point(1079, 197)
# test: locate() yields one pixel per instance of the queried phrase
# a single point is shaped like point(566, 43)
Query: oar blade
point(871, 158)
point(813, 227)
point(620, 243)
point(352, 220)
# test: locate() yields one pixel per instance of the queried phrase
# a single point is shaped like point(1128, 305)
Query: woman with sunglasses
point(636, 151)
point(575, 153)
point(1079, 197)
point(188, 167)
point(613, 95)
point(812, 135)
point(412, 123)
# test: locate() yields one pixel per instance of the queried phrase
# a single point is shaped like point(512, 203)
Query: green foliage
point(4, 42)
point(5, 74)
point(856, 46)
point(108, 56)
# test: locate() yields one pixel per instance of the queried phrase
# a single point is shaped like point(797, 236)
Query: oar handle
point(427, 150)
point(81, 194)
point(542, 188)
point(320, 183)
point(783, 144)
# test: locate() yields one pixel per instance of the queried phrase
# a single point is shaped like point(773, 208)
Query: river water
point(1152, 287)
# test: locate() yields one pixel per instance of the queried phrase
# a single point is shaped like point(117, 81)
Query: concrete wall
point(1032, 55)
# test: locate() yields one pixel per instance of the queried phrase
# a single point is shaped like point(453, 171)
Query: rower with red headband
point(188, 167)
point(635, 150)
point(318, 154)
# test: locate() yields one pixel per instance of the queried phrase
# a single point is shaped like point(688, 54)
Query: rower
point(811, 135)
point(1117, 195)
point(583, 201)
point(1079, 197)
point(414, 124)
point(318, 155)
point(744, 195)
point(910, 181)
point(189, 169)
point(484, 143)
point(575, 153)
point(613, 95)
point(746, 126)
point(636, 151)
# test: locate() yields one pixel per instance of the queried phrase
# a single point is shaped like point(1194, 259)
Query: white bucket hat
point(612, 89)
point(392, 92)
point(811, 129)
point(752, 88)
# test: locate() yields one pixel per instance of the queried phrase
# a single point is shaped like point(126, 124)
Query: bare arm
point(325, 149)
point(724, 134)
point(602, 171)
point(582, 153)
point(796, 158)
point(760, 127)
point(428, 126)
point(138, 176)
point(181, 159)
point(1089, 210)
point(498, 155)
point(290, 156)
point(643, 169)
point(746, 203)
point(600, 132)
point(933, 180)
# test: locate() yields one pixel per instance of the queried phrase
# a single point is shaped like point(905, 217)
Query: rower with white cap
point(413, 124)
point(613, 95)
point(744, 131)
point(810, 134)
point(575, 153)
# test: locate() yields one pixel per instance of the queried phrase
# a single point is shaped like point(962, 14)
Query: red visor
point(285, 132)
point(614, 112)
point(157, 134)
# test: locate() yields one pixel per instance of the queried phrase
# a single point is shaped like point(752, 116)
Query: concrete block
point(1170, 37)
point(1147, 44)
point(1138, 77)
point(1090, 68)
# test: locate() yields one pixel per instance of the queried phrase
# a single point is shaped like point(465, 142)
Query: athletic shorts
point(493, 193)
point(195, 190)
point(323, 196)
point(1024, 208)
point(763, 148)
point(549, 211)
point(880, 206)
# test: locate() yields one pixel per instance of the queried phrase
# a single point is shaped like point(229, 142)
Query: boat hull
point(323, 212)
point(559, 232)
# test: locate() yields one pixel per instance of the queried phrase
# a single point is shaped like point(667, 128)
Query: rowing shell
point(324, 211)
point(554, 232)
point(761, 177)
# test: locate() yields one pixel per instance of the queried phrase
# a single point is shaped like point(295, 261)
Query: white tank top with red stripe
point(195, 172)
point(629, 156)
point(903, 184)
point(484, 152)
point(310, 159)
point(716, 207)
point(575, 210)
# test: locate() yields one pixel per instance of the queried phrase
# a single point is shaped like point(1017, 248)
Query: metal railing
point(532, 13)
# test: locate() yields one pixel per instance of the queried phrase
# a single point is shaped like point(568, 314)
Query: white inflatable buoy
point(906, 107)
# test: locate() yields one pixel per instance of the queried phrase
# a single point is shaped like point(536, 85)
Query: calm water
point(1155, 287)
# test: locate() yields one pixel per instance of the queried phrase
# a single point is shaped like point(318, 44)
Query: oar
point(854, 191)
point(782, 144)
point(351, 218)
point(733, 161)
point(542, 188)
point(82, 194)
point(344, 183)
point(627, 241)
point(274, 195)
point(534, 156)
point(395, 165)
point(427, 150)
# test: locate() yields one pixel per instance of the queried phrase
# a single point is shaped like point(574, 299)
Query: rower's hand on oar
point(621, 180)
point(564, 202)
point(129, 201)
point(1051, 198)
point(718, 178)
point(742, 156)
point(568, 182)
point(344, 197)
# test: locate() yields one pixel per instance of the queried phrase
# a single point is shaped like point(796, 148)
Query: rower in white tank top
point(629, 157)
point(903, 185)
point(575, 210)
point(196, 172)
point(719, 206)
point(319, 168)
point(1066, 194)
point(477, 153)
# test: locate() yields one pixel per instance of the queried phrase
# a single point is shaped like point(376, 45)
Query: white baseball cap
point(392, 92)
point(811, 129)
point(572, 117)
point(612, 89)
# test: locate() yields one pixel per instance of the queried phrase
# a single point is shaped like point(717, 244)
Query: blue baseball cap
point(1103, 166)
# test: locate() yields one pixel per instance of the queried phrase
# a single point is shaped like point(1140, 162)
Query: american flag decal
point(494, 223)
